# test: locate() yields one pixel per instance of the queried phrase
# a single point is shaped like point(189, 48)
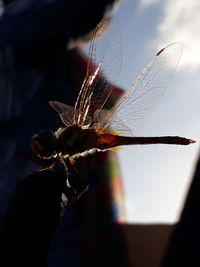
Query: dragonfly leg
point(82, 184)
point(69, 191)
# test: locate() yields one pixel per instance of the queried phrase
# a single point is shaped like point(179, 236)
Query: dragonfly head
point(44, 144)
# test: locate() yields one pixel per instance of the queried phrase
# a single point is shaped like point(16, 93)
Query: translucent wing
point(104, 61)
point(67, 113)
point(145, 92)
point(116, 125)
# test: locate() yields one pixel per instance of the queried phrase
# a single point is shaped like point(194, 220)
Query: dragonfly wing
point(66, 113)
point(145, 92)
point(104, 61)
point(115, 124)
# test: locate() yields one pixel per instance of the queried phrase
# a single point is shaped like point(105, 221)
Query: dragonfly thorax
point(75, 140)
point(66, 141)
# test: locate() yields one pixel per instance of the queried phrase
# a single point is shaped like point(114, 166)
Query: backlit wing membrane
point(130, 112)
point(145, 92)
point(117, 125)
point(67, 113)
point(104, 63)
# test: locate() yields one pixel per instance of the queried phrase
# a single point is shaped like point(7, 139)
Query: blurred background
point(156, 178)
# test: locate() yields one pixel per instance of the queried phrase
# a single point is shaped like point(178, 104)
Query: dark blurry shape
point(146, 243)
point(184, 244)
point(7, 2)
point(35, 66)
point(33, 216)
point(90, 234)
point(31, 219)
point(34, 70)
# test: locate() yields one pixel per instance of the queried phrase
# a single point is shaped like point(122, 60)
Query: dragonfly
point(89, 127)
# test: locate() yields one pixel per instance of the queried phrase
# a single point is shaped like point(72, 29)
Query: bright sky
point(156, 178)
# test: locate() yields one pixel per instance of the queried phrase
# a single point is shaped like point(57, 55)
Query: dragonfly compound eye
point(44, 144)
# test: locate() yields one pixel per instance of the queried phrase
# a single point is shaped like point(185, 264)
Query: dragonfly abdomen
point(110, 141)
